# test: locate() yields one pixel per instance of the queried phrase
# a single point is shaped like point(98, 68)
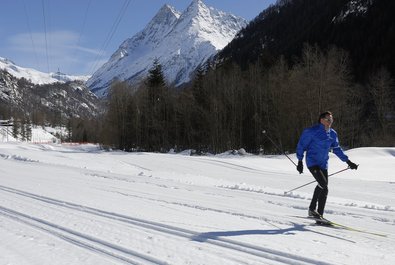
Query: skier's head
point(326, 117)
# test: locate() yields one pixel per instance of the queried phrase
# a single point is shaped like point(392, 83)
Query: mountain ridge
point(35, 76)
point(53, 100)
point(181, 42)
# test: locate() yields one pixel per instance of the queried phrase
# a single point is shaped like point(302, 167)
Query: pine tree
point(117, 114)
point(156, 108)
point(15, 128)
point(28, 125)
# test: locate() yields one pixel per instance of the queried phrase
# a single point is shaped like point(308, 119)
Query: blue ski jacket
point(317, 142)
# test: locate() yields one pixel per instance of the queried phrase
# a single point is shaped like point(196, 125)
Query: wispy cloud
point(62, 47)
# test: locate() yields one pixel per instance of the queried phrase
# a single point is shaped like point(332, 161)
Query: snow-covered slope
point(180, 41)
point(39, 134)
point(69, 99)
point(34, 76)
point(77, 205)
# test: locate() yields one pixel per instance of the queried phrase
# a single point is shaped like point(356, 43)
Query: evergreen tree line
point(78, 129)
point(228, 108)
point(20, 128)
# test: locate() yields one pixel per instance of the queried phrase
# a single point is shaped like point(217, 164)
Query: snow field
point(81, 205)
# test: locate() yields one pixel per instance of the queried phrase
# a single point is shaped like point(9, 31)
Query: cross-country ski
point(329, 223)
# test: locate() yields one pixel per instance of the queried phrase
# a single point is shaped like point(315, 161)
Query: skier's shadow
point(215, 235)
point(203, 237)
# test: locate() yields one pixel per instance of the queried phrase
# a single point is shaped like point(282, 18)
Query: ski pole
point(285, 192)
point(278, 148)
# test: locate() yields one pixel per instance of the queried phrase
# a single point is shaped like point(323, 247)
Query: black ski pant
point(321, 190)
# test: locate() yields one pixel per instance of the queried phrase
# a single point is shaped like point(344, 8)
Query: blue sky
point(77, 36)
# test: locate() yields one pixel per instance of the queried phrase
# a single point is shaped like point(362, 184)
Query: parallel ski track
point(234, 166)
point(87, 242)
point(98, 245)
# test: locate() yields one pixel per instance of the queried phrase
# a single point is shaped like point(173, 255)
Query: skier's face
point(327, 121)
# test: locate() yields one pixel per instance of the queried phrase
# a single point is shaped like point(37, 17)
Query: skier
point(317, 141)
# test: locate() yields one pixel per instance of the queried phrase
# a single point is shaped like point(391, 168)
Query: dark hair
point(323, 115)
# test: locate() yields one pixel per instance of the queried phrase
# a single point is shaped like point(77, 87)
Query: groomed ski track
point(127, 255)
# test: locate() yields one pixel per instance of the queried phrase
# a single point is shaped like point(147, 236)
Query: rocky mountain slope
point(46, 101)
point(180, 41)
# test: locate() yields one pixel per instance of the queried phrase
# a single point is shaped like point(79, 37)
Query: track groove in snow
point(209, 238)
point(82, 240)
point(229, 165)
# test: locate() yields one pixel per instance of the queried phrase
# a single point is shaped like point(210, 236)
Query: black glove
point(352, 165)
point(299, 167)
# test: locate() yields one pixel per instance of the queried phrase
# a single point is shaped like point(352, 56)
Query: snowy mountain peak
point(166, 13)
point(181, 41)
point(196, 7)
point(198, 15)
point(166, 16)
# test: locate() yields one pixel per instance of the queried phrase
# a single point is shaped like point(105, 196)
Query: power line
point(111, 33)
point(82, 28)
point(30, 32)
point(45, 30)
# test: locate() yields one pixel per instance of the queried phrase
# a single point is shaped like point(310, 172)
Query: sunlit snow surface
point(76, 204)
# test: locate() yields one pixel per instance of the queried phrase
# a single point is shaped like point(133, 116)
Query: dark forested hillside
point(364, 28)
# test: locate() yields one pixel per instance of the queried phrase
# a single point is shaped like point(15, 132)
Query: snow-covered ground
point(38, 135)
point(80, 205)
